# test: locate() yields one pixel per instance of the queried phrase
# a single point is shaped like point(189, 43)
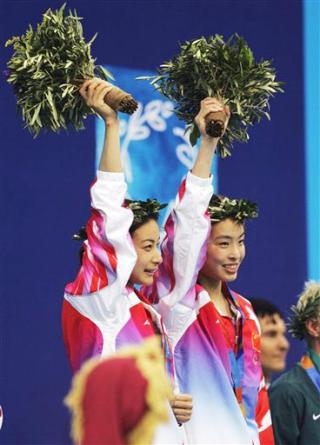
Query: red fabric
point(207, 318)
point(141, 296)
point(182, 189)
point(229, 331)
point(113, 403)
point(99, 260)
point(142, 320)
point(262, 411)
point(82, 338)
point(251, 340)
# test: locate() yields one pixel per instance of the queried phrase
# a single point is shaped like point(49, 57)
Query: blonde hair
point(307, 308)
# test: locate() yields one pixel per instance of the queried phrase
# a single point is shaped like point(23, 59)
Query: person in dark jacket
point(295, 396)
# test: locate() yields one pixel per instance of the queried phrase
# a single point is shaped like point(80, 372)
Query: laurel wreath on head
point(221, 208)
point(307, 308)
point(142, 210)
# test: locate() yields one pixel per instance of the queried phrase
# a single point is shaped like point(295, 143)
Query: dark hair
point(137, 224)
point(143, 211)
point(263, 307)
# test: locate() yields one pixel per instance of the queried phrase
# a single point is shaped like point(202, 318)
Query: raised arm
point(107, 229)
point(93, 92)
point(187, 227)
point(208, 145)
point(108, 256)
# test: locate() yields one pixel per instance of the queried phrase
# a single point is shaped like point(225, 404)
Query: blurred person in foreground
point(295, 396)
point(274, 344)
point(123, 399)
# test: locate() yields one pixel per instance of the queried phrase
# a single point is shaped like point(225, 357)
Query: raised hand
point(207, 106)
point(208, 145)
point(93, 92)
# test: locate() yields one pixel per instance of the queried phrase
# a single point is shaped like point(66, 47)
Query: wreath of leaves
point(46, 69)
point(142, 210)
point(307, 308)
point(221, 208)
point(227, 70)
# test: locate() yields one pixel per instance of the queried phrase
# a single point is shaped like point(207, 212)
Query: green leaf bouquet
point(226, 70)
point(48, 67)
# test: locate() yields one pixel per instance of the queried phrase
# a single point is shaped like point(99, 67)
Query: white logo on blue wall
point(155, 148)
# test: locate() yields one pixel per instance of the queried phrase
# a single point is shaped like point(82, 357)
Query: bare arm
point(202, 166)
point(93, 92)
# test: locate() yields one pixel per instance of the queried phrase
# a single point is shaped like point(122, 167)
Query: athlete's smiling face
point(146, 242)
point(225, 251)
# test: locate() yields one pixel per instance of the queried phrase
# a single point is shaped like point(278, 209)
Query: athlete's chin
point(146, 280)
point(229, 277)
point(142, 279)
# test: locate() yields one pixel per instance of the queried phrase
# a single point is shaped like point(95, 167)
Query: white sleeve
point(109, 254)
point(184, 247)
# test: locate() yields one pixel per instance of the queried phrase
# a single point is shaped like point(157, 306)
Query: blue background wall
point(44, 185)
